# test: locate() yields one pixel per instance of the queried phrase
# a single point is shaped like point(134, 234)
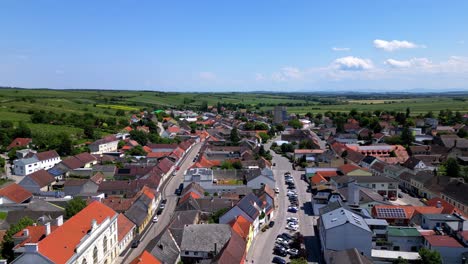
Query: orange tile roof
point(327, 174)
point(187, 195)
point(147, 149)
point(148, 192)
point(241, 226)
point(158, 154)
point(317, 179)
point(146, 258)
point(127, 128)
point(443, 241)
point(205, 163)
point(124, 225)
point(15, 193)
point(19, 142)
point(428, 210)
point(60, 245)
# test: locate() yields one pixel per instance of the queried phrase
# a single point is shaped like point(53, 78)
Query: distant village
point(237, 186)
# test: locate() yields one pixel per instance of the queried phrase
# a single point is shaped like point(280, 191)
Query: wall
point(348, 236)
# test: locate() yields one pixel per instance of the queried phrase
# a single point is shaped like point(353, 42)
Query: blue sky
point(236, 45)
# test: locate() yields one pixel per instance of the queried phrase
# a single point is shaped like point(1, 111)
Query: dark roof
point(85, 157)
point(193, 186)
point(423, 176)
point(166, 248)
point(411, 163)
point(362, 179)
point(75, 182)
point(354, 156)
point(247, 204)
point(457, 191)
point(137, 213)
point(183, 218)
point(47, 155)
point(42, 178)
point(369, 159)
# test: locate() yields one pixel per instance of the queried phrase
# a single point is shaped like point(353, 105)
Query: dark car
point(135, 243)
point(279, 260)
point(286, 236)
point(280, 252)
point(179, 190)
point(271, 224)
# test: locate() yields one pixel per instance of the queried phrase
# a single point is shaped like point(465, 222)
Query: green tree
point(235, 137)
point(226, 165)
point(88, 131)
point(214, 218)
point(8, 244)
point(452, 168)
point(264, 136)
point(407, 136)
point(295, 123)
point(429, 257)
point(298, 261)
point(74, 206)
point(204, 106)
point(279, 127)
point(139, 136)
point(65, 147)
point(137, 151)
point(408, 112)
point(237, 165)
point(22, 131)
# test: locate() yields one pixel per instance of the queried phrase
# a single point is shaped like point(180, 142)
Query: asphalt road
point(167, 192)
point(261, 250)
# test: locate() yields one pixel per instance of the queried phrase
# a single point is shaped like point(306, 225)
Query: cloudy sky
point(236, 45)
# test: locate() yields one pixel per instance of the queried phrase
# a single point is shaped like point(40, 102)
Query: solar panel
point(391, 213)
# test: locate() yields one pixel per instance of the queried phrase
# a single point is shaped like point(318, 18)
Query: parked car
point(292, 228)
point(135, 243)
point(292, 219)
point(271, 224)
point(155, 219)
point(400, 195)
point(276, 190)
point(279, 260)
point(280, 252)
point(179, 189)
point(292, 209)
point(286, 236)
point(293, 251)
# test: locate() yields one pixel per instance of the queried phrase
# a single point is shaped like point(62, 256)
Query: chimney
point(47, 229)
point(25, 232)
point(439, 204)
point(93, 224)
point(31, 247)
point(59, 220)
point(353, 193)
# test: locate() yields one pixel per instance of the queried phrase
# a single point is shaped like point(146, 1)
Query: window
point(195, 253)
point(104, 244)
point(382, 185)
point(186, 252)
point(84, 261)
point(95, 255)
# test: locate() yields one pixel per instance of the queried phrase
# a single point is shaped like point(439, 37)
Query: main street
point(167, 192)
point(261, 250)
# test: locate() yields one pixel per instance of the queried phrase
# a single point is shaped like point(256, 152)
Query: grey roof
point(26, 161)
point(342, 216)
point(363, 179)
point(183, 218)
point(366, 195)
point(137, 213)
point(441, 217)
point(205, 238)
point(423, 176)
point(250, 204)
point(166, 248)
point(373, 221)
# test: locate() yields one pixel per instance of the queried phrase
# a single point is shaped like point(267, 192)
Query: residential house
point(310, 155)
point(35, 161)
point(418, 181)
point(14, 194)
point(74, 187)
point(449, 248)
point(351, 255)
point(384, 186)
point(126, 232)
point(90, 236)
point(143, 209)
point(449, 223)
point(104, 145)
point(353, 170)
point(243, 227)
point(37, 182)
point(31, 234)
point(257, 178)
point(234, 251)
point(342, 229)
point(455, 194)
point(404, 238)
point(19, 143)
point(346, 138)
point(249, 207)
point(416, 164)
point(201, 242)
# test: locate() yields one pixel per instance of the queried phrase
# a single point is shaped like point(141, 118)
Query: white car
point(292, 207)
point(292, 228)
point(279, 240)
point(291, 192)
point(276, 190)
point(292, 219)
point(155, 219)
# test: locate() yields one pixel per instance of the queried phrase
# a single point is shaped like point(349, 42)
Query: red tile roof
point(442, 241)
point(47, 155)
point(317, 179)
point(124, 226)
point(241, 226)
point(185, 145)
point(173, 129)
point(72, 163)
point(19, 142)
point(158, 154)
point(446, 207)
point(85, 157)
point(36, 234)
point(347, 168)
point(42, 178)
point(97, 178)
point(15, 193)
point(60, 245)
point(118, 204)
point(165, 165)
point(146, 258)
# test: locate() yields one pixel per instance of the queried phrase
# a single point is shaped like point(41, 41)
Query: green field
point(18, 104)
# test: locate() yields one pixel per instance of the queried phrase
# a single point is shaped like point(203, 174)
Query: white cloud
point(287, 73)
point(259, 77)
point(340, 49)
point(395, 45)
point(351, 63)
point(208, 76)
point(414, 62)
